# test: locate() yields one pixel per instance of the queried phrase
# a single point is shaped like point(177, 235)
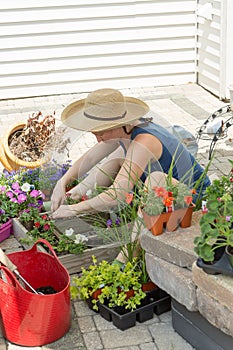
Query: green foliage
point(41, 226)
point(217, 224)
point(113, 281)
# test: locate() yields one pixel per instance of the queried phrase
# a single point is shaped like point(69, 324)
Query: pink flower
point(9, 194)
point(21, 198)
point(2, 189)
point(15, 186)
point(34, 193)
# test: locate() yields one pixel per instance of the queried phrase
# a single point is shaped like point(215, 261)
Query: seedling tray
point(157, 301)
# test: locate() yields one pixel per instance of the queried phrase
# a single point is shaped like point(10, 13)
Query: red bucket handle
point(48, 245)
point(12, 281)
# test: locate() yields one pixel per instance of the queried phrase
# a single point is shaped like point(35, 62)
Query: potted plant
point(117, 293)
point(216, 224)
point(30, 144)
point(41, 226)
point(107, 283)
point(170, 205)
point(6, 210)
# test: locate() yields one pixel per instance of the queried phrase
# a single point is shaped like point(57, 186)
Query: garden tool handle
point(6, 261)
point(9, 264)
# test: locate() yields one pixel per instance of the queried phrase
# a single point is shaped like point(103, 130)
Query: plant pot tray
point(221, 266)
point(73, 262)
point(156, 301)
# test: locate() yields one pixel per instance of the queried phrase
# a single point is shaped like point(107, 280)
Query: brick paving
point(186, 105)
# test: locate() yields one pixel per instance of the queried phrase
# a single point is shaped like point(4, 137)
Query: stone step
point(215, 298)
point(175, 280)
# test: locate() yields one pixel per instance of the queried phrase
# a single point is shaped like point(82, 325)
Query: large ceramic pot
point(169, 221)
point(8, 159)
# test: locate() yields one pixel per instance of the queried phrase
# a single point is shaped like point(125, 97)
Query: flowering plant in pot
point(43, 178)
point(170, 205)
point(14, 198)
point(104, 282)
point(217, 222)
point(41, 226)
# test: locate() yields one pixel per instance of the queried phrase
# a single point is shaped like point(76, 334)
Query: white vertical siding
point(215, 48)
point(52, 47)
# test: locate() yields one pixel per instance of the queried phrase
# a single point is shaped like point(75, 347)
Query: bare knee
point(157, 178)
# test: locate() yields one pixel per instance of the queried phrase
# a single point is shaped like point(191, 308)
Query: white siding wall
point(215, 47)
point(53, 47)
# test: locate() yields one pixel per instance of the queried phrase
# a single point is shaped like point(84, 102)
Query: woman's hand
point(64, 211)
point(58, 197)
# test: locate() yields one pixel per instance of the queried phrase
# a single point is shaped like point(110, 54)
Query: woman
point(130, 146)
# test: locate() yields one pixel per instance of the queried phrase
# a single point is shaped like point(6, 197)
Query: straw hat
point(103, 109)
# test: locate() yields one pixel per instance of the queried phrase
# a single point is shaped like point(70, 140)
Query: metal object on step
point(4, 260)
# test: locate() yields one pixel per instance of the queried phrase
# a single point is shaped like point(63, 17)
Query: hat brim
point(73, 116)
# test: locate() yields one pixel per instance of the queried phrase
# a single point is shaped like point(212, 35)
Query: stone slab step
point(175, 280)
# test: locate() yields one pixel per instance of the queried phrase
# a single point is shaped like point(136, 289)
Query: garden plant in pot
point(214, 246)
point(30, 144)
point(168, 206)
point(118, 289)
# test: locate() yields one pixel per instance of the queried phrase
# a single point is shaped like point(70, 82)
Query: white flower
point(89, 193)
point(69, 232)
point(80, 238)
point(26, 187)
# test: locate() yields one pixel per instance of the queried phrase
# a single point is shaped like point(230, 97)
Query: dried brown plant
point(30, 143)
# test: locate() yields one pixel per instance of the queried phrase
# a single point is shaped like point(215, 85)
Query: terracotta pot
point(171, 221)
point(96, 294)
point(148, 286)
point(8, 159)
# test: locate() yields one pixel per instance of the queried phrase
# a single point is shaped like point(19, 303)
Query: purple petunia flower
point(2, 211)
point(118, 221)
point(228, 218)
point(109, 222)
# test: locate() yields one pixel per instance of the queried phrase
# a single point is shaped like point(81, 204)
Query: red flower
point(44, 217)
point(160, 192)
point(46, 227)
point(85, 197)
point(129, 198)
point(188, 199)
point(37, 224)
point(167, 201)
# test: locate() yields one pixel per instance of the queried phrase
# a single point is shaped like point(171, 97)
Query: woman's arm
point(79, 168)
point(144, 148)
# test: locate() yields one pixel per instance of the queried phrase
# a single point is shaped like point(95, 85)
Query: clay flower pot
point(171, 221)
point(9, 160)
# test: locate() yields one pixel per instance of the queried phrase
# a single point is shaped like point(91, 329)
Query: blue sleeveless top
point(185, 167)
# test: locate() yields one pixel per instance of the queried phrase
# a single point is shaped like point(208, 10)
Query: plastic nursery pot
point(229, 252)
point(9, 160)
point(5, 230)
point(171, 221)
